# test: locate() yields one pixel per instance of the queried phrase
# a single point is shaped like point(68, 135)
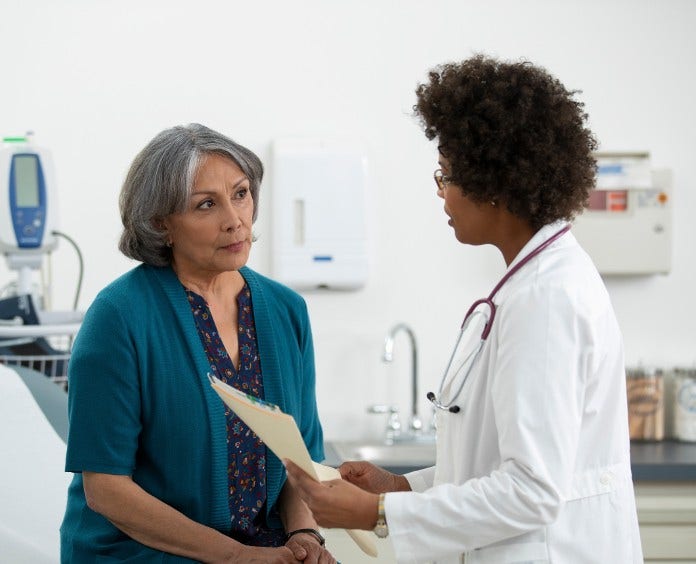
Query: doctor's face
point(470, 220)
point(214, 234)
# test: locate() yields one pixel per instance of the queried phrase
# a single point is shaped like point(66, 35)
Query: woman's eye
point(205, 205)
point(241, 193)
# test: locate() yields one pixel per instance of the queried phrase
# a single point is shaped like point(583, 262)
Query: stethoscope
point(473, 355)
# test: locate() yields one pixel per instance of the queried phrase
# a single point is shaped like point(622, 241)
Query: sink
point(400, 456)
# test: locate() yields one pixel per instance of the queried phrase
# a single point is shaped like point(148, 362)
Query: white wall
point(96, 79)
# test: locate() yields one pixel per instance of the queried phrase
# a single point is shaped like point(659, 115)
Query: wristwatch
point(381, 528)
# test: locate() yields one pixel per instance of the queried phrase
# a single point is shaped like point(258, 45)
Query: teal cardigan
point(140, 404)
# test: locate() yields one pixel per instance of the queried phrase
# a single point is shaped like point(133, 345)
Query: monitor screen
point(26, 185)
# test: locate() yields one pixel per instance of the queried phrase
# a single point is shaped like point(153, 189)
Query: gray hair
point(160, 180)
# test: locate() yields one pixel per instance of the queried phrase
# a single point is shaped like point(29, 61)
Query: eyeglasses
point(440, 179)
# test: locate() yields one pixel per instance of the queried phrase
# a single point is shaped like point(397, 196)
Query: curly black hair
point(511, 133)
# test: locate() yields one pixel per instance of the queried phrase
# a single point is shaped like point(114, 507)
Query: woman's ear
point(160, 224)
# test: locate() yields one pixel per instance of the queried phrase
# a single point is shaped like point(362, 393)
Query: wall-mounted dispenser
point(319, 214)
point(627, 226)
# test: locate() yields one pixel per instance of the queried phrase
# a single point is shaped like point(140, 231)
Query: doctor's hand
point(334, 503)
point(372, 478)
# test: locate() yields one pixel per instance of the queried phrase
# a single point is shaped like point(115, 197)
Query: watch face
point(381, 529)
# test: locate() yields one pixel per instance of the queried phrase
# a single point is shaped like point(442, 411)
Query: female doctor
point(533, 447)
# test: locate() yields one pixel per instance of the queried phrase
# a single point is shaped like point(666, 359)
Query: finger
point(345, 470)
point(295, 471)
point(300, 480)
point(350, 470)
point(315, 556)
point(290, 466)
point(298, 551)
point(326, 558)
point(313, 551)
point(285, 555)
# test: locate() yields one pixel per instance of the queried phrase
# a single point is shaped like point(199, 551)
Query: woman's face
point(470, 220)
point(214, 234)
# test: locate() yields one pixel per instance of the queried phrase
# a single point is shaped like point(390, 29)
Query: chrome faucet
point(393, 425)
point(415, 424)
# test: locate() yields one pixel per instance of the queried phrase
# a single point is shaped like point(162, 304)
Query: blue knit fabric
point(140, 404)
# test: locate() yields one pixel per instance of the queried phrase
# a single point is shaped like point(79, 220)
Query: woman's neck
point(214, 288)
point(512, 235)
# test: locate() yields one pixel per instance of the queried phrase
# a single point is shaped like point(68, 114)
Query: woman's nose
point(231, 220)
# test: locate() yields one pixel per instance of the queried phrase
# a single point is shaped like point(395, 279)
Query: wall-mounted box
point(319, 206)
point(627, 226)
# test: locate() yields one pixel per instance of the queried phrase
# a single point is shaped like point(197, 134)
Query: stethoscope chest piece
point(451, 408)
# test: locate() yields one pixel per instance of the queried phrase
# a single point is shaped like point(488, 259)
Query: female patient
point(163, 471)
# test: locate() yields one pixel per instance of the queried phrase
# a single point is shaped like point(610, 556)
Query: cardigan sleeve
point(310, 426)
point(104, 397)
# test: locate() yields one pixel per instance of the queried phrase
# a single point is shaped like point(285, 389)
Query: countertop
point(663, 461)
point(668, 460)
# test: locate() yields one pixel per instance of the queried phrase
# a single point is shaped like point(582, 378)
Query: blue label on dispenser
point(322, 258)
point(610, 169)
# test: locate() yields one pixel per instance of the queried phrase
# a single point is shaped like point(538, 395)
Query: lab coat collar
point(537, 239)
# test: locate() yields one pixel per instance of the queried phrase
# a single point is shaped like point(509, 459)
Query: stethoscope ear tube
point(489, 323)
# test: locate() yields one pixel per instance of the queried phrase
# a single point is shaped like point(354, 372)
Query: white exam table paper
point(32, 473)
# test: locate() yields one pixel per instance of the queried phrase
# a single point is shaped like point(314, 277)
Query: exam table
point(33, 482)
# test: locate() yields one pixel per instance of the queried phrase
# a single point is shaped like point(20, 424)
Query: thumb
point(298, 551)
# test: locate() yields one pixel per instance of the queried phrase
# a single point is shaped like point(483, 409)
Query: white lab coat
point(535, 467)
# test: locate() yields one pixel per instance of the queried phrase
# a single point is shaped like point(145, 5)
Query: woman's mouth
point(235, 247)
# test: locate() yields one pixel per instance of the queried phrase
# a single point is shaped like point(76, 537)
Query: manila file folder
point(280, 433)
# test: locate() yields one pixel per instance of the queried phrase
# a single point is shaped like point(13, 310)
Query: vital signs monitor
point(27, 206)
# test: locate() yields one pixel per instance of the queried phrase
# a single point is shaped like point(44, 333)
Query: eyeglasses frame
point(441, 180)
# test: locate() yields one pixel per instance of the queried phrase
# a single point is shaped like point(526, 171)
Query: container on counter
point(685, 404)
point(646, 413)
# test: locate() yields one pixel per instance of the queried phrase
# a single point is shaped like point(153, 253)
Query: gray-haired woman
point(163, 471)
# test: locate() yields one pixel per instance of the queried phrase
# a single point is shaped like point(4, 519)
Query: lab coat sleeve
point(536, 387)
point(421, 480)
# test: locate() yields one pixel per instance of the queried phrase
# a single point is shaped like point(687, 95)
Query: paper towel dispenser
point(319, 204)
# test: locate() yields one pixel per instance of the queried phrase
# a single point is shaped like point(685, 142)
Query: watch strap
point(381, 529)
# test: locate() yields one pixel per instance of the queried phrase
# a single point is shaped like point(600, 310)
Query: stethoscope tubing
point(451, 407)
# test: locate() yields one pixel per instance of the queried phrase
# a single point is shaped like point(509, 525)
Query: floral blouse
point(246, 468)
